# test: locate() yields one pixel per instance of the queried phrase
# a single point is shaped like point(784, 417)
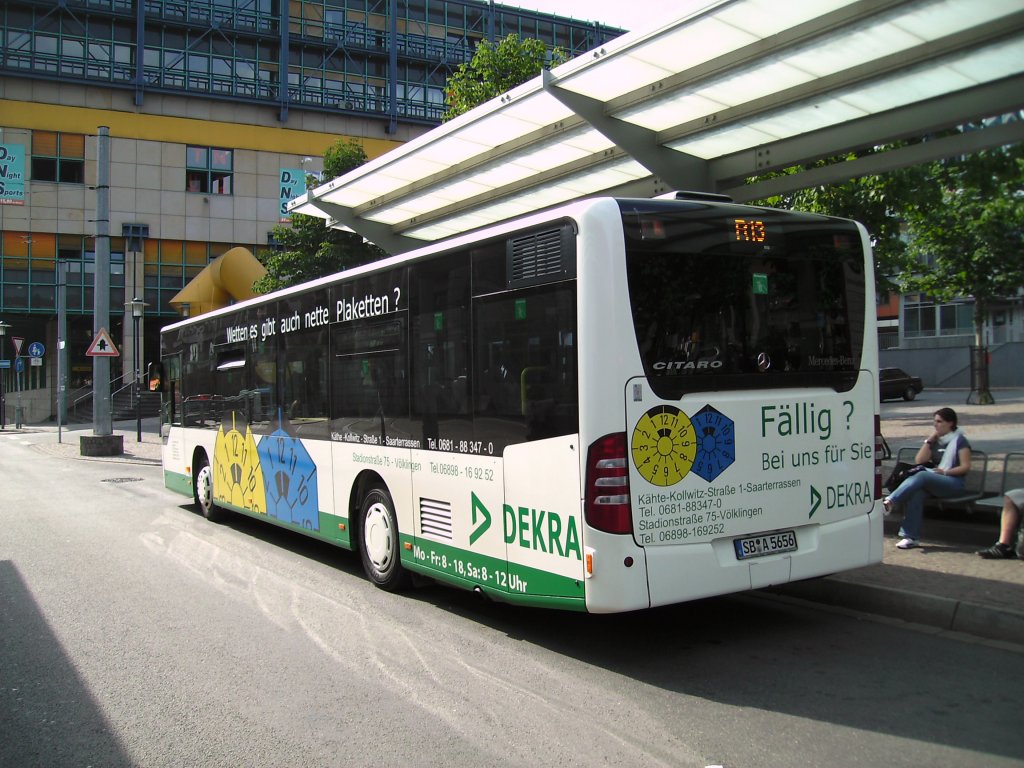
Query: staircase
point(122, 403)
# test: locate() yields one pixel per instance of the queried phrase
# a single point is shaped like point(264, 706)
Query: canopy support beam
point(677, 169)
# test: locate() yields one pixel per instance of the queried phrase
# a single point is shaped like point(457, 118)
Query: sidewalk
point(145, 452)
point(943, 584)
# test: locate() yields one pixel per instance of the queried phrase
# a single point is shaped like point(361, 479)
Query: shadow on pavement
point(47, 715)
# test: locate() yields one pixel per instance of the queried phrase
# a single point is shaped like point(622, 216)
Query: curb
point(942, 612)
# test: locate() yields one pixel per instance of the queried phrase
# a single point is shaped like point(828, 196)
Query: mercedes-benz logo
point(763, 362)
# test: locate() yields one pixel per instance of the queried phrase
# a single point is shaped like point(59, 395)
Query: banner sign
point(12, 174)
point(293, 184)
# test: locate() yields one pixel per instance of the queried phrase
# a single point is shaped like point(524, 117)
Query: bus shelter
point(704, 102)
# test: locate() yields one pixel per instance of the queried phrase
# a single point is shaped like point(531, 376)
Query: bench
point(1012, 477)
point(974, 484)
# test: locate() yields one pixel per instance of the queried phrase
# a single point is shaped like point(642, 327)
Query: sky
point(631, 15)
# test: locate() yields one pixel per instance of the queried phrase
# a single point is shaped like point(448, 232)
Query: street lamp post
point(3, 405)
point(137, 306)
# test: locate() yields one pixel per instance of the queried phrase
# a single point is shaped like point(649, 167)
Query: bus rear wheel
point(202, 490)
point(379, 541)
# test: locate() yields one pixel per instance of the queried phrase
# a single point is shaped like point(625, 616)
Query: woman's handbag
point(902, 471)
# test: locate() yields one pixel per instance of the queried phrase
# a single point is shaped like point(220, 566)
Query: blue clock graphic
point(290, 477)
point(716, 442)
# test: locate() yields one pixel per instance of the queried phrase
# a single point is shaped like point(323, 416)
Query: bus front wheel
point(380, 544)
point(202, 490)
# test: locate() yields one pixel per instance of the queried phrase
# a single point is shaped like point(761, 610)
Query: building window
point(58, 157)
point(208, 170)
point(923, 317)
point(956, 319)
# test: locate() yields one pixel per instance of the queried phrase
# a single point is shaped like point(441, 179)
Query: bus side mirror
point(155, 377)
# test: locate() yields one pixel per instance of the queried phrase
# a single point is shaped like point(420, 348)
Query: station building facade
point(216, 109)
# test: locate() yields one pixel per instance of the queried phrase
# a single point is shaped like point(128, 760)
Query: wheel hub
point(377, 537)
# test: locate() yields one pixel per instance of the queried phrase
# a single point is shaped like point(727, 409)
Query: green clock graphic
point(664, 445)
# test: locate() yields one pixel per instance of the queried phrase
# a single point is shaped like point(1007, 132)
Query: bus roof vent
point(688, 195)
point(541, 257)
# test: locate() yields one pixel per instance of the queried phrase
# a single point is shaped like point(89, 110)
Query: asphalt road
point(133, 632)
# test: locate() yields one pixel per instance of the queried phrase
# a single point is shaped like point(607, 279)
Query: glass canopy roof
point(702, 102)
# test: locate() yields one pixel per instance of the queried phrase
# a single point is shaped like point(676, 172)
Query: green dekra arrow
point(815, 502)
point(485, 519)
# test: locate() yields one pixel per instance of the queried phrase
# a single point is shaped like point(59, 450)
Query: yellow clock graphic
point(238, 475)
point(664, 445)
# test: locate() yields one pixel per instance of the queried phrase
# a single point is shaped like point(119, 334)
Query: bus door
point(165, 378)
point(533, 419)
point(456, 475)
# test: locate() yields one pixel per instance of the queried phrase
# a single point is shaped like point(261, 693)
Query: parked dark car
point(895, 382)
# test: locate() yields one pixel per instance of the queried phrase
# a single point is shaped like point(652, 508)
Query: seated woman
point(944, 480)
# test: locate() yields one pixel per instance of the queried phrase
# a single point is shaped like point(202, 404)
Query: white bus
point(608, 406)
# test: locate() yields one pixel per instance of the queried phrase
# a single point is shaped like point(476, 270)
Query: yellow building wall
point(183, 130)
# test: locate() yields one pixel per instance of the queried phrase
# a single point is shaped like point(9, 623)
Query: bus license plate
point(765, 544)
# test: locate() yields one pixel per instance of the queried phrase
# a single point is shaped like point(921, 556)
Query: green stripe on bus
point(178, 483)
point(502, 580)
point(333, 528)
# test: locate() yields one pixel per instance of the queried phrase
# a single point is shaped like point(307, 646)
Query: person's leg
point(940, 486)
point(1008, 522)
point(906, 488)
point(912, 503)
point(912, 494)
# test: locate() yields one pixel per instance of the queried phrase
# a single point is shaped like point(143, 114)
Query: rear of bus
point(728, 362)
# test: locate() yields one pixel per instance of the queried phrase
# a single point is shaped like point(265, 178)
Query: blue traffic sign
point(35, 349)
point(5, 363)
point(19, 365)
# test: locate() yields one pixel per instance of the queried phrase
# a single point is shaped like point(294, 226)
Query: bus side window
point(440, 348)
point(304, 382)
point(525, 357)
point(170, 389)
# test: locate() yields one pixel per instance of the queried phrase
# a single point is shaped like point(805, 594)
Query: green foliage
point(308, 249)
point(963, 217)
point(874, 201)
point(962, 220)
point(496, 69)
point(341, 157)
point(968, 226)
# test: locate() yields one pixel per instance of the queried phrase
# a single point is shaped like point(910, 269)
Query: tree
point(968, 228)
point(307, 249)
point(950, 228)
point(877, 202)
point(496, 69)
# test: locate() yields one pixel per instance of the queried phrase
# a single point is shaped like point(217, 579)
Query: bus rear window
point(732, 297)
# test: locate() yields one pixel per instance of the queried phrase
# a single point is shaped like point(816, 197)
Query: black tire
point(202, 490)
point(379, 541)
point(909, 393)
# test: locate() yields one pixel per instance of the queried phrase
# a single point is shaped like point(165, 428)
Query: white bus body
point(648, 402)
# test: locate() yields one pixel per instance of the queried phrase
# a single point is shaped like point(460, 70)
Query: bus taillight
point(607, 501)
point(878, 456)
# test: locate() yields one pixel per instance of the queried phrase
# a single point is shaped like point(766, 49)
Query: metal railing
point(123, 395)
